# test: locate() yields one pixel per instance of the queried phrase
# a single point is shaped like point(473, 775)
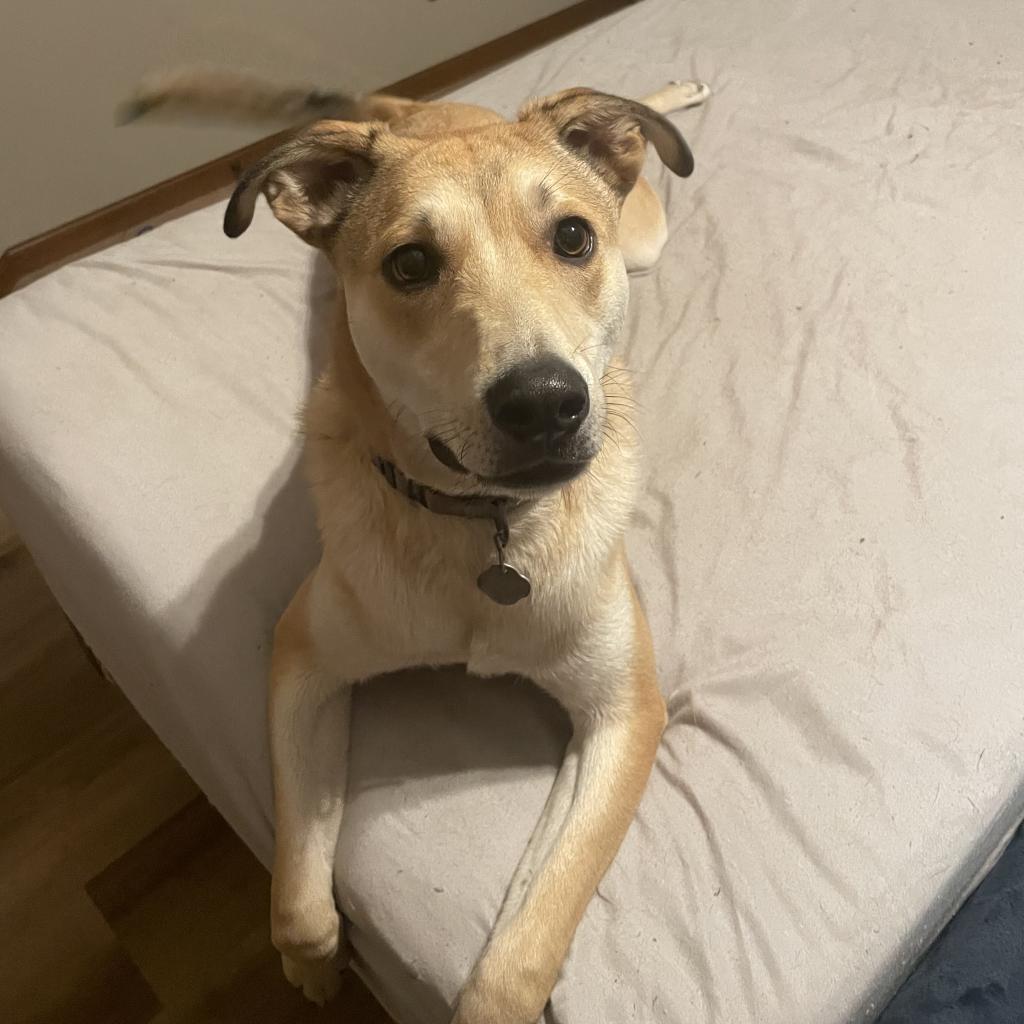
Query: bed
point(830, 542)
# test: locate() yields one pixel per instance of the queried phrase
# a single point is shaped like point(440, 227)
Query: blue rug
point(974, 973)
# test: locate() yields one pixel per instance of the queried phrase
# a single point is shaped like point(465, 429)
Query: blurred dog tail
point(199, 94)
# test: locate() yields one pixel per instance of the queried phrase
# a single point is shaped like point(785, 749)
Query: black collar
point(470, 506)
point(501, 582)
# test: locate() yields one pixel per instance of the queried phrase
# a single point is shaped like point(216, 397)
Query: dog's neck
point(501, 582)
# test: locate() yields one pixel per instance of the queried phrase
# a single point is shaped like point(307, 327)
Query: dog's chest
point(406, 584)
point(444, 618)
point(488, 638)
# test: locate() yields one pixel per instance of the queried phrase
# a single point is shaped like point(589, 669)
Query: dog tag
point(503, 584)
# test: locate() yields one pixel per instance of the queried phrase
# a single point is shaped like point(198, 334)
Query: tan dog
point(482, 287)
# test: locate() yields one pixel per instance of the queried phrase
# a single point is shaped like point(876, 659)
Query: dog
point(473, 465)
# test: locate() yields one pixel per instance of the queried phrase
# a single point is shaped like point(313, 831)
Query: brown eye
point(574, 239)
point(410, 266)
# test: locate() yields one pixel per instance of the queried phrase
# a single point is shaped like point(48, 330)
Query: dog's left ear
point(310, 181)
point(611, 133)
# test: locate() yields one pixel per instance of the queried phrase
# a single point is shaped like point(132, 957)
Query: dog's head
point(482, 275)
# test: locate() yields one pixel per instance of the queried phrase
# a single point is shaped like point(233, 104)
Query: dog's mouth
point(546, 473)
point(548, 469)
point(445, 455)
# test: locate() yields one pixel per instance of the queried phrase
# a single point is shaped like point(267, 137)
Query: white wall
point(66, 64)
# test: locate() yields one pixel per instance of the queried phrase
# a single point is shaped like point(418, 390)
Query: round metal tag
point(503, 584)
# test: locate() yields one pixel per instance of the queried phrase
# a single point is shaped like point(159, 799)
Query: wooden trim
point(45, 252)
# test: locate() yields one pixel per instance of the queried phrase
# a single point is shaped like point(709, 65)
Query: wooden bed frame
point(30, 259)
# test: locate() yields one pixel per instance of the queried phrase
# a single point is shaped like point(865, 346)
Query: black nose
point(541, 400)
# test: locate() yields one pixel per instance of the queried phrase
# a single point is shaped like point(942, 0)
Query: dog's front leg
point(309, 731)
point(594, 800)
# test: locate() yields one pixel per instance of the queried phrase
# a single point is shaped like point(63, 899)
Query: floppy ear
point(611, 133)
point(310, 181)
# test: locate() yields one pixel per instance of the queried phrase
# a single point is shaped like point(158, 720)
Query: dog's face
point(485, 291)
point(483, 280)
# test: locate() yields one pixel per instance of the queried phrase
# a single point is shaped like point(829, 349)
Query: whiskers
point(620, 407)
point(550, 188)
point(394, 411)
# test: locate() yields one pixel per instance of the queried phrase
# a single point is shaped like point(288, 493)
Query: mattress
point(829, 545)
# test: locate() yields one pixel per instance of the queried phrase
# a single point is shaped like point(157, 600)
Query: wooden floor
point(124, 897)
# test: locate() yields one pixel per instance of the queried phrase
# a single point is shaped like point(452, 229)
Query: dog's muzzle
point(542, 402)
point(538, 409)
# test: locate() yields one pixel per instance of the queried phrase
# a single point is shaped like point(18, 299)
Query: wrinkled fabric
point(828, 367)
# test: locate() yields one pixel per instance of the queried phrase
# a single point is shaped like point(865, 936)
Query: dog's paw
point(678, 96)
point(688, 93)
point(309, 931)
point(318, 979)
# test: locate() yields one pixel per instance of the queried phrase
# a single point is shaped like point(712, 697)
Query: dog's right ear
point(310, 181)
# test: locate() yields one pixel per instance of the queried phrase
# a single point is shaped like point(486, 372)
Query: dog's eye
point(574, 239)
point(410, 266)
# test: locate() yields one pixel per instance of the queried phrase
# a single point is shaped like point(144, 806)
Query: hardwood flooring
point(124, 897)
